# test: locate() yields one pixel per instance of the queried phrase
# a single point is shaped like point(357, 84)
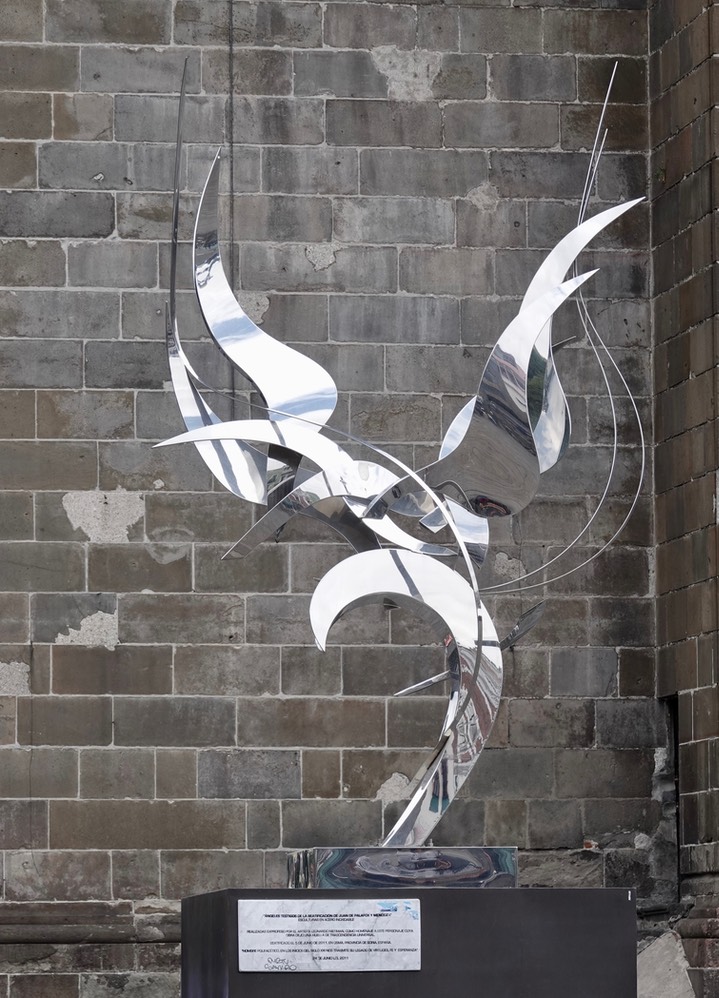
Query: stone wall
point(398, 173)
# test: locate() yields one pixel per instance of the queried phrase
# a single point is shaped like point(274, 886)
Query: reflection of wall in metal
point(515, 428)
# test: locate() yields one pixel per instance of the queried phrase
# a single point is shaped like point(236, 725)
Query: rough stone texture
point(166, 724)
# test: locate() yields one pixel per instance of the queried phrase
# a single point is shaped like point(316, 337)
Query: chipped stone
point(98, 629)
point(662, 969)
point(393, 789)
point(14, 679)
point(321, 256)
point(410, 74)
point(255, 305)
point(485, 197)
point(104, 517)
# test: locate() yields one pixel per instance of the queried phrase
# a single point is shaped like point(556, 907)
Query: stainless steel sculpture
point(516, 428)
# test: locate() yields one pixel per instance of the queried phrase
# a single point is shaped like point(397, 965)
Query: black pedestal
point(523, 943)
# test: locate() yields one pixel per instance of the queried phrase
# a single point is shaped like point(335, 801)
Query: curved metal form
point(473, 663)
point(490, 461)
point(290, 383)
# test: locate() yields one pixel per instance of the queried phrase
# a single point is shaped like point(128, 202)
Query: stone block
point(82, 117)
point(118, 264)
point(526, 673)
point(45, 986)
point(131, 465)
point(269, 774)
point(381, 123)
point(321, 775)
point(460, 77)
point(561, 868)
point(254, 71)
point(495, 29)
point(18, 165)
point(40, 67)
point(14, 617)
point(25, 116)
point(118, 69)
point(85, 414)
point(33, 466)
point(23, 824)
point(44, 720)
point(617, 822)
point(17, 516)
point(537, 174)
point(385, 319)
point(310, 672)
point(597, 32)
point(626, 125)
point(279, 121)
point(358, 26)
point(198, 517)
point(135, 874)
point(175, 773)
point(194, 872)
point(369, 773)
point(324, 170)
point(60, 617)
point(263, 824)
point(446, 271)
point(622, 622)
point(307, 823)
point(246, 670)
point(432, 369)
point(534, 78)
point(117, 772)
point(499, 125)
point(297, 25)
point(160, 985)
point(67, 876)
point(551, 722)
point(122, 670)
point(174, 721)
point(338, 74)
point(512, 773)
point(319, 268)
point(421, 172)
point(139, 22)
point(584, 672)
point(140, 567)
point(182, 618)
point(60, 314)
point(412, 723)
point(382, 417)
point(310, 562)
point(604, 773)
point(310, 721)
point(393, 220)
point(463, 822)
point(144, 824)
point(284, 219)
point(39, 772)
point(149, 118)
point(18, 416)
point(437, 28)
point(28, 566)
point(554, 824)
point(491, 223)
point(23, 21)
point(32, 264)
point(505, 823)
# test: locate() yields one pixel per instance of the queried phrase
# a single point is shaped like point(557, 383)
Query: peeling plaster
point(104, 517)
point(98, 629)
point(14, 679)
point(410, 74)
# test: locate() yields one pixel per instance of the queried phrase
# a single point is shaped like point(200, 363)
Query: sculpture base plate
point(376, 868)
point(527, 943)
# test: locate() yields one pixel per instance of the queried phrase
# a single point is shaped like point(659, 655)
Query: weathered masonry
point(166, 723)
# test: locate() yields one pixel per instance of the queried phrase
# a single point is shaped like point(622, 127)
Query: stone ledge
point(91, 921)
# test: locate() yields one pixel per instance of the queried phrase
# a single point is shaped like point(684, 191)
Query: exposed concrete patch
point(14, 679)
point(321, 255)
point(393, 789)
point(506, 567)
point(98, 629)
point(662, 969)
point(255, 305)
point(410, 74)
point(105, 517)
